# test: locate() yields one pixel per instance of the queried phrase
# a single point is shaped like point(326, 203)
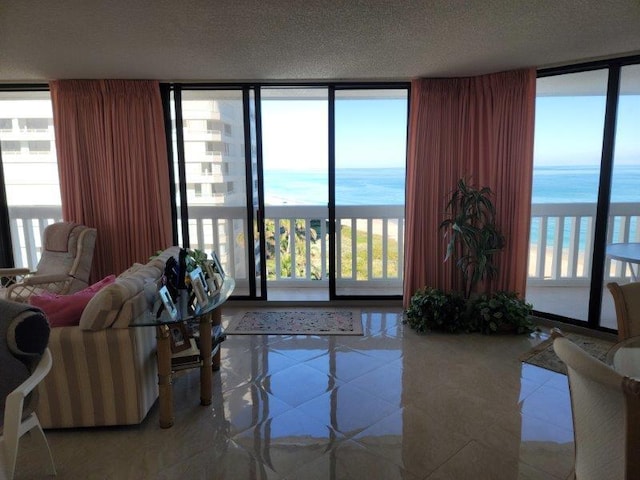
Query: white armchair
point(606, 416)
point(64, 266)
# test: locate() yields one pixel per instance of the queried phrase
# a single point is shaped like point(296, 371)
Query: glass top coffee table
point(206, 357)
point(624, 357)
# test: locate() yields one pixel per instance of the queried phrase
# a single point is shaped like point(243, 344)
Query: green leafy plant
point(196, 258)
point(432, 309)
point(473, 237)
point(473, 240)
point(502, 312)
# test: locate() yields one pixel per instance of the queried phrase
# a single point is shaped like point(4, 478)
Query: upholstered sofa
point(104, 372)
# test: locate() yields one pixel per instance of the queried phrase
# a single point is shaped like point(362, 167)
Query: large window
point(370, 133)
point(570, 113)
point(624, 212)
point(214, 170)
point(30, 170)
point(586, 163)
point(296, 188)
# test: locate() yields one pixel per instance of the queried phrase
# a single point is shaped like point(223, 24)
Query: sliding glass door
point(295, 173)
point(585, 215)
point(623, 227)
point(212, 184)
point(370, 159)
point(570, 112)
point(263, 174)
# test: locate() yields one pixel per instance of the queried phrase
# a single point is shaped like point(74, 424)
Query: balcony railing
point(561, 248)
point(302, 237)
point(27, 224)
point(369, 242)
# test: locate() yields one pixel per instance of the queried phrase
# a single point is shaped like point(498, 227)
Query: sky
point(372, 133)
point(369, 133)
point(568, 130)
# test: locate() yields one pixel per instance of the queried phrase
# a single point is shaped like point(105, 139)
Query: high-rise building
point(27, 143)
point(214, 151)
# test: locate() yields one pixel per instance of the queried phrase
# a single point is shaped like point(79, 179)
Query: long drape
point(480, 129)
point(112, 161)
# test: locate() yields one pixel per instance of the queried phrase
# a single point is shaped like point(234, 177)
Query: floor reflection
point(390, 404)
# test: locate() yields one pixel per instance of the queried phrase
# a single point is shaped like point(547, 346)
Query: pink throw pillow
point(66, 310)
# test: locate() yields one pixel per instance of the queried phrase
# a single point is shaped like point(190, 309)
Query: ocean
point(578, 184)
point(385, 186)
point(354, 186)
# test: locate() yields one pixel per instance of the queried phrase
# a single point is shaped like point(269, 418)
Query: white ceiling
point(271, 40)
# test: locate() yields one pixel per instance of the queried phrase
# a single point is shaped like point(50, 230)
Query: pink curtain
point(481, 129)
point(112, 160)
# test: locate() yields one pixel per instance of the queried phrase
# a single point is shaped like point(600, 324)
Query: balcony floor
point(571, 302)
point(321, 294)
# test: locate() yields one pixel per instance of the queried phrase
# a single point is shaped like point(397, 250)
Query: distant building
point(214, 152)
point(27, 143)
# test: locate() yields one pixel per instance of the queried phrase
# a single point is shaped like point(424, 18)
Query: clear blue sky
point(369, 133)
point(372, 133)
point(569, 130)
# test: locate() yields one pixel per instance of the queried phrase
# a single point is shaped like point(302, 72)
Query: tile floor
point(388, 405)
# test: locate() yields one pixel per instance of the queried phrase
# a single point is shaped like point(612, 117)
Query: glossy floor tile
point(390, 404)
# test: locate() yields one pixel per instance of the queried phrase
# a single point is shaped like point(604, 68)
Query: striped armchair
point(105, 373)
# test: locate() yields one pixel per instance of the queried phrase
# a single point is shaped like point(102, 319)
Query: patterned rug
point(542, 355)
point(321, 322)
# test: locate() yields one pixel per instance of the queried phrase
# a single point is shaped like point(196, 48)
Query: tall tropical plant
point(471, 233)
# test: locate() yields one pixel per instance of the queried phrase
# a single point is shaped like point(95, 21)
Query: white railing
point(27, 224)
point(560, 250)
point(561, 245)
point(302, 235)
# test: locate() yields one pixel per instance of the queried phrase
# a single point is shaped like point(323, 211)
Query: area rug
point(321, 322)
point(542, 355)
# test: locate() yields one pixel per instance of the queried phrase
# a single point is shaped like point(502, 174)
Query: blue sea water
point(354, 186)
point(578, 184)
point(551, 184)
point(385, 186)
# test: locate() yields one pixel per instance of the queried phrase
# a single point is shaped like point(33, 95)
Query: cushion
point(135, 303)
point(66, 310)
point(105, 307)
point(131, 270)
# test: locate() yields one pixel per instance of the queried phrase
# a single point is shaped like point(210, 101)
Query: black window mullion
point(165, 93)
point(260, 219)
point(249, 192)
point(332, 192)
point(604, 197)
point(182, 174)
point(6, 249)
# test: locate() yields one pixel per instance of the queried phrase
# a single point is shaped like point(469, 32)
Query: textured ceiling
point(243, 40)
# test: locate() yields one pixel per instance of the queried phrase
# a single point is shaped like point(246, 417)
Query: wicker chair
point(64, 267)
point(627, 301)
point(606, 416)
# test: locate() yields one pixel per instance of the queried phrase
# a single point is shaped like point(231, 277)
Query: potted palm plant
point(472, 236)
point(473, 240)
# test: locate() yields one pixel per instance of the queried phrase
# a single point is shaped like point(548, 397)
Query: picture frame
point(199, 288)
point(208, 268)
point(197, 273)
point(217, 266)
point(167, 301)
point(212, 279)
point(179, 337)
